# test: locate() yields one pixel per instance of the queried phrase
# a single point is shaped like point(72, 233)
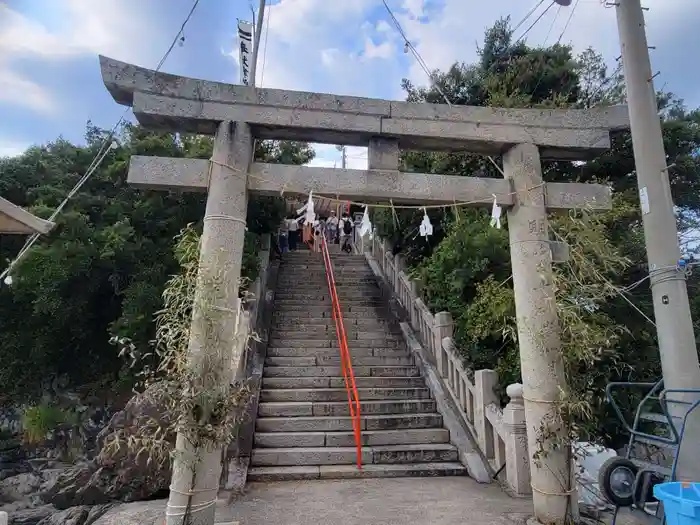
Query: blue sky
point(50, 82)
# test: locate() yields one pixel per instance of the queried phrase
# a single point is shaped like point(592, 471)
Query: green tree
point(102, 270)
point(464, 267)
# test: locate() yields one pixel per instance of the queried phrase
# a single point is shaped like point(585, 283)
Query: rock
point(31, 516)
point(140, 513)
point(117, 473)
point(82, 515)
point(18, 487)
point(13, 461)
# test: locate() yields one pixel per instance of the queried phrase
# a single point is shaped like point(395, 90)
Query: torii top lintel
point(176, 103)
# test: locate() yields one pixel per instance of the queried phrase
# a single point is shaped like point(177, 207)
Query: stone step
point(340, 394)
point(297, 273)
point(336, 371)
point(303, 302)
point(335, 361)
point(330, 330)
point(324, 297)
point(317, 258)
point(320, 309)
point(313, 287)
point(351, 334)
point(341, 408)
point(332, 342)
point(351, 471)
point(345, 280)
point(301, 314)
point(341, 423)
point(391, 454)
point(335, 352)
point(347, 439)
point(318, 268)
point(328, 322)
point(330, 327)
point(339, 382)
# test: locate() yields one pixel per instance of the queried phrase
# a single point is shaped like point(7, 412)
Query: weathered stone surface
point(17, 488)
point(80, 515)
point(116, 474)
point(139, 513)
point(31, 516)
point(186, 104)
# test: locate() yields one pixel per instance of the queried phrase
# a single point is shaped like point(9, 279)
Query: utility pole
point(341, 149)
point(256, 41)
point(679, 356)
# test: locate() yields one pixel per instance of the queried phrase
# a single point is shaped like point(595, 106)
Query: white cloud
point(86, 28)
point(21, 91)
point(315, 44)
point(11, 148)
point(451, 33)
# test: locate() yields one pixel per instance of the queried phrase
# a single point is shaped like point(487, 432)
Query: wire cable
point(551, 28)
point(528, 15)
point(522, 37)
point(425, 68)
point(566, 26)
point(98, 158)
point(561, 35)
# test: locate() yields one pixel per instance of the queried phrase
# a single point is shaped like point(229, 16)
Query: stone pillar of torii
point(237, 115)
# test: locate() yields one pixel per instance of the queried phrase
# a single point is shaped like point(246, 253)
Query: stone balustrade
point(499, 433)
point(251, 341)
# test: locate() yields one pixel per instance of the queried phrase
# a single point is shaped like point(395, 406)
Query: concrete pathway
point(389, 501)
point(397, 501)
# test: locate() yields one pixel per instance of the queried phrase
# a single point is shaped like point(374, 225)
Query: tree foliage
point(102, 270)
point(465, 267)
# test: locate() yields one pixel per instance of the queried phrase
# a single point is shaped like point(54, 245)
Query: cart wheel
point(617, 479)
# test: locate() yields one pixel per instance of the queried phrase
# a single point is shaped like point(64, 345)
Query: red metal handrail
point(345, 360)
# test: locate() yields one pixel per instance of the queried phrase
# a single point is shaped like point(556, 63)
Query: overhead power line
point(528, 15)
point(105, 148)
point(415, 53)
point(522, 37)
point(566, 26)
point(561, 35)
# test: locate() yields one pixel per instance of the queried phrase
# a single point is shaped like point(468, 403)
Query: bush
point(39, 421)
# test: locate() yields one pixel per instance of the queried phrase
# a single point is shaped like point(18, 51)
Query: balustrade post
point(399, 266)
point(443, 327)
point(485, 382)
point(413, 314)
point(517, 460)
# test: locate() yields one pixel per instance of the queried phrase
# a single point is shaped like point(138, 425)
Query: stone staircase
point(303, 428)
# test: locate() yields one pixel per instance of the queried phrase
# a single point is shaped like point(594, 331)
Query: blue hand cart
point(629, 481)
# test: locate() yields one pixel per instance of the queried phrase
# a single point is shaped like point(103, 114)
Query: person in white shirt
point(293, 233)
point(332, 228)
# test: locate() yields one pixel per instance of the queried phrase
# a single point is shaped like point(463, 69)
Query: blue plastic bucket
point(681, 502)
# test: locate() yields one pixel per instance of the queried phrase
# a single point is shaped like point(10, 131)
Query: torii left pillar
point(197, 466)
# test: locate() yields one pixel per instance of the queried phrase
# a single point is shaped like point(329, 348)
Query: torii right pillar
point(541, 363)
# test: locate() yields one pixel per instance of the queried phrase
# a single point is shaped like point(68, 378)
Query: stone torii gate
point(237, 115)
